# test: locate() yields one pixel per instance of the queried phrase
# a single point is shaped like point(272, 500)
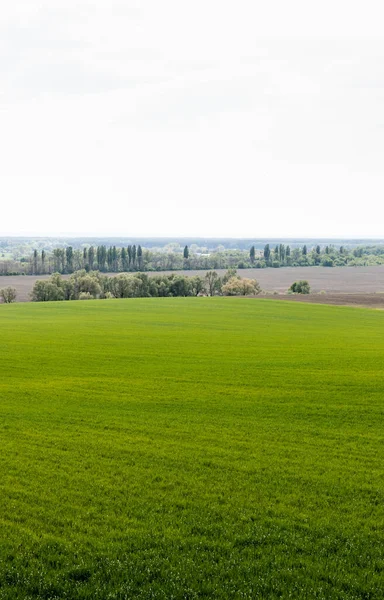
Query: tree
point(115, 259)
point(267, 253)
point(213, 282)
point(327, 262)
point(35, 262)
point(46, 291)
point(241, 287)
point(180, 286)
point(252, 254)
point(124, 259)
point(318, 250)
point(69, 258)
point(101, 257)
point(87, 284)
point(8, 295)
point(139, 256)
point(186, 253)
point(43, 256)
point(300, 287)
point(305, 251)
point(134, 254)
point(231, 273)
point(197, 285)
point(91, 257)
point(59, 260)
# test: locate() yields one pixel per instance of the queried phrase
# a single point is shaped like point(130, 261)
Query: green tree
point(91, 258)
point(197, 285)
point(252, 254)
point(46, 291)
point(300, 287)
point(35, 262)
point(139, 256)
point(241, 287)
point(43, 257)
point(212, 282)
point(69, 259)
point(124, 259)
point(186, 252)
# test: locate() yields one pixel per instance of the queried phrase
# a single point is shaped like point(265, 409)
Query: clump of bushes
point(83, 285)
point(300, 287)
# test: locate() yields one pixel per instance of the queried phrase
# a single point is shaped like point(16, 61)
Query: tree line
point(134, 258)
point(83, 285)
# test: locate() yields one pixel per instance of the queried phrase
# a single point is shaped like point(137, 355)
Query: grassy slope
point(191, 448)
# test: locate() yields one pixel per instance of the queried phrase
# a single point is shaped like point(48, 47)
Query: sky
point(214, 118)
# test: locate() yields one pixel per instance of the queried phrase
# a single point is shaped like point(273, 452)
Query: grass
point(191, 448)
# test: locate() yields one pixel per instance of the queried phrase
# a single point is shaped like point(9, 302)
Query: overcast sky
point(243, 118)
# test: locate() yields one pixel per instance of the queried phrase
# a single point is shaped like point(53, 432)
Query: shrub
point(300, 287)
point(241, 287)
point(8, 295)
point(85, 296)
point(46, 291)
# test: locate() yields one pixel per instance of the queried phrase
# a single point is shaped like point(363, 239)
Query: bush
point(241, 287)
point(85, 296)
point(300, 287)
point(46, 291)
point(8, 295)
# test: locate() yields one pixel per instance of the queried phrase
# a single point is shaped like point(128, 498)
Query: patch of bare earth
point(359, 300)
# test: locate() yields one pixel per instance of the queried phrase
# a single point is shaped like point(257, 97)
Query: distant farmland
point(191, 448)
point(344, 280)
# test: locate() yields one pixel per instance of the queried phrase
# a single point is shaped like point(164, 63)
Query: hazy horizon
point(204, 119)
point(189, 237)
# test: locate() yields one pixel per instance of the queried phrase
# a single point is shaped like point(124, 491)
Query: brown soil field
point(358, 300)
point(365, 284)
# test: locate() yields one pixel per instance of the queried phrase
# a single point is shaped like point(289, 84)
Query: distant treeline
point(113, 259)
point(95, 285)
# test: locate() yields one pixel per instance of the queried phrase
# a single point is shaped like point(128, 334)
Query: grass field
point(191, 448)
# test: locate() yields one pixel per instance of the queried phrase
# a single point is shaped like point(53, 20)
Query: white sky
point(246, 118)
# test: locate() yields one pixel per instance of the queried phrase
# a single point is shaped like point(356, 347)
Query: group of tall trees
point(113, 259)
point(327, 256)
point(83, 285)
point(102, 258)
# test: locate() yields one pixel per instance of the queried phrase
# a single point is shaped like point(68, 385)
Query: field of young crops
point(191, 448)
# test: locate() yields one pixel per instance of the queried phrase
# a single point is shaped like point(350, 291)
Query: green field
point(191, 448)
